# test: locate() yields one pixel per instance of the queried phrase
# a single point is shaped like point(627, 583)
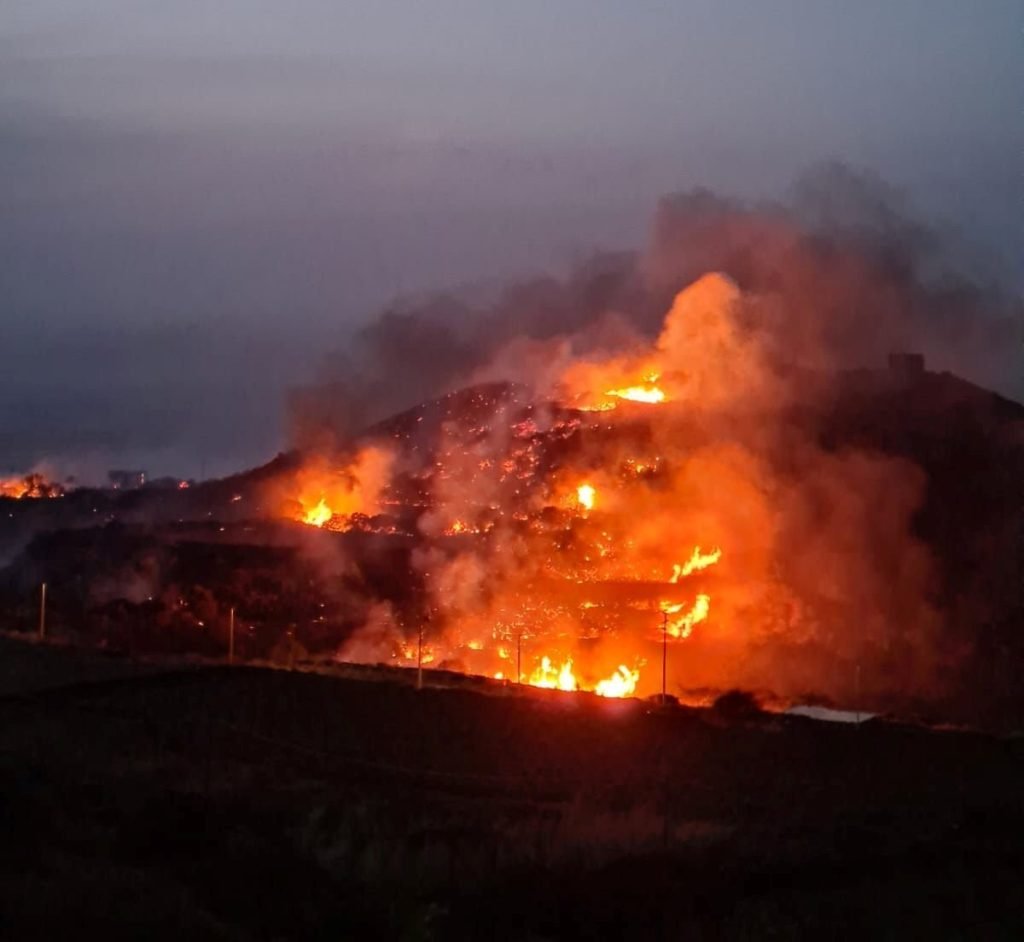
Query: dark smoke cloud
point(843, 272)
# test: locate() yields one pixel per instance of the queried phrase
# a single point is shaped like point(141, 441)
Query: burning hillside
point(606, 478)
point(560, 533)
point(30, 486)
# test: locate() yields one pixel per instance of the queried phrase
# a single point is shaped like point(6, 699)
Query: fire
point(320, 494)
point(695, 563)
point(537, 529)
point(548, 676)
point(683, 627)
point(621, 684)
point(650, 394)
point(32, 485)
point(585, 496)
point(318, 515)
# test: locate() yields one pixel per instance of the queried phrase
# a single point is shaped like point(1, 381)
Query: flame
point(695, 563)
point(32, 485)
point(621, 684)
point(650, 394)
point(682, 627)
point(320, 494)
point(585, 495)
point(318, 515)
point(548, 676)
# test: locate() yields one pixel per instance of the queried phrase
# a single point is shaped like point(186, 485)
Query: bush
point(737, 705)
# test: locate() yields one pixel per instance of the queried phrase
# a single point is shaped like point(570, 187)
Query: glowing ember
point(621, 684)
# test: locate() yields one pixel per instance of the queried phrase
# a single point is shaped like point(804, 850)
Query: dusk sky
point(200, 198)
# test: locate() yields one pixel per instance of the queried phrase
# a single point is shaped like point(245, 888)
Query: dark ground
point(248, 803)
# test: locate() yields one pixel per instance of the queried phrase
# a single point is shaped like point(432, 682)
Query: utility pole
point(42, 611)
point(858, 691)
point(664, 656)
point(419, 658)
point(519, 657)
point(231, 635)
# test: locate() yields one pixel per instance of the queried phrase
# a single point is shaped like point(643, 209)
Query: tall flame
point(682, 627)
point(319, 514)
point(621, 684)
point(552, 678)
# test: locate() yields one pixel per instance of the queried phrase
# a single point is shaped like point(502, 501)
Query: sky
point(200, 199)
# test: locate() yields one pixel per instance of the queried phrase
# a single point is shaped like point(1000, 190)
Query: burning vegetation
point(611, 485)
point(30, 486)
point(562, 533)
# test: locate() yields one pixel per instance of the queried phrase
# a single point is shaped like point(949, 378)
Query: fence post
point(42, 611)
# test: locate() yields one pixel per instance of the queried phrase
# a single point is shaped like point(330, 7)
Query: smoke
point(821, 574)
point(839, 274)
point(688, 388)
point(843, 274)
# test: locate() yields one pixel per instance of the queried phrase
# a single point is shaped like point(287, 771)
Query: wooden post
point(858, 691)
point(231, 635)
point(419, 657)
point(519, 657)
point(664, 656)
point(42, 611)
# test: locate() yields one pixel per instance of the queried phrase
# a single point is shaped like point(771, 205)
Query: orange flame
point(695, 563)
point(652, 395)
point(585, 496)
point(552, 678)
point(683, 627)
point(621, 684)
point(318, 515)
point(30, 485)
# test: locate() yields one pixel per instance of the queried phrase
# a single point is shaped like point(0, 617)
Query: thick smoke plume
point(842, 273)
point(669, 408)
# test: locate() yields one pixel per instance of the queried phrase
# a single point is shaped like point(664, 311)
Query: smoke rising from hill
point(839, 274)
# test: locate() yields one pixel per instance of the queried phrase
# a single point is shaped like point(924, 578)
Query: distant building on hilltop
point(121, 480)
point(907, 365)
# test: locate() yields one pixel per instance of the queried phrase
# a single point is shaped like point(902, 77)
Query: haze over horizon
point(201, 200)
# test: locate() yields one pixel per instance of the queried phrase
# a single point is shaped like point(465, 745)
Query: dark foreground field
point(246, 803)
